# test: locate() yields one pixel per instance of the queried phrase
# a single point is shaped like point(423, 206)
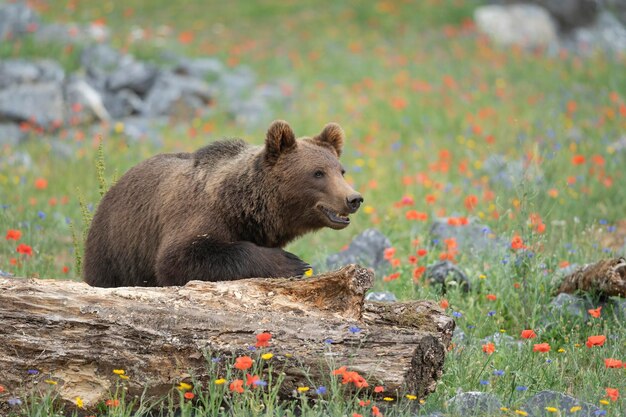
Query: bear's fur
point(221, 213)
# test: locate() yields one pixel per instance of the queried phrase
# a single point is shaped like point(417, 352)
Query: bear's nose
point(354, 202)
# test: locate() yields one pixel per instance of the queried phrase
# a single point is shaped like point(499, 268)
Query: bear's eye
point(319, 174)
point(343, 172)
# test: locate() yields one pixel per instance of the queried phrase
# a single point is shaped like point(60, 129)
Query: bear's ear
point(332, 136)
point(280, 138)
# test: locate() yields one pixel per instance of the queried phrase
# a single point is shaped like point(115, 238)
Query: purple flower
point(354, 329)
point(521, 388)
point(321, 390)
point(484, 382)
point(498, 372)
point(457, 314)
point(33, 372)
point(491, 313)
point(260, 383)
point(14, 401)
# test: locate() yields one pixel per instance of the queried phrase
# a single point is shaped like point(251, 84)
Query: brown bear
point(221, 213)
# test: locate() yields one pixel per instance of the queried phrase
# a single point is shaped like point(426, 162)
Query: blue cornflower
point(521, 388)
point(457, 314)
point(498, 372)
point(611, 229)
point(14, 401)
point(260, 383)
point(491, 313)
point(216, 359)
point(251, 348)
point(600, 412)
point(41, 214)
point(354, 329)
point(321, 390)
point(603, 221)
point(33, 372)
point(484, 382)
point(328, 341)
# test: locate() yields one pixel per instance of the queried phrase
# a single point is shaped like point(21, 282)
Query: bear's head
point(311, 187)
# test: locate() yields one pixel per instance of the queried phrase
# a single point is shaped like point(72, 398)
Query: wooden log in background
point(606, 278)
point(76, 334)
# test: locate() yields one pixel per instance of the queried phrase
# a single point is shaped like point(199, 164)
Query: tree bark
point(76, 335)
point(605, 278)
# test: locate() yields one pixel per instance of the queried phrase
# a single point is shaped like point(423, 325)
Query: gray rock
point(101, 59)
point(17, 159)
point(255, 111)
point(72, 33)
point(4, 274)
point(607, 34)
point(10, 134)
point(536, 406)
point(445, 273)
point(84, 104)
point(41, 103)
point(567, 304)
point(619, 307)
point(366, 249)
point(570, 14)
point(500, 339)
point(526, 25)
point(237, 84)
point(206, 68)
point(384, 296)
point(171, 89)
point(140, 128)
point(470, 237)
point(16, 19)
point(458, 335)
point(475, 403)
point(132, 75)
point(123, 103)
point(619, 145)
point(20, 71)
point(502, 171)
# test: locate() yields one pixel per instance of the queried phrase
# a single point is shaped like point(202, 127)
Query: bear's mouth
point(334, 217)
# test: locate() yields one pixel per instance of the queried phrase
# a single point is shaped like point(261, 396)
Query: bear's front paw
point(291, 266)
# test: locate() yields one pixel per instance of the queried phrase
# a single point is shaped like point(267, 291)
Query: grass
point(426, 102)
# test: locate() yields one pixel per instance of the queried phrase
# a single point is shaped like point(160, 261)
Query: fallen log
point(605, 278)
point(76, 335)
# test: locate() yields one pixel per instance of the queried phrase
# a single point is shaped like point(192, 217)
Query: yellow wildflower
point(220, 381)
point(575, 408)
point(303, 389)
point(119, 371)
point(482, 276)
point(79, 402)
point(50, 381)
point(604, 402)
point(267, 356)
point(552, 409)
point(388, 399)
point(411, 397)
point(561, 350)
point(184, 386)
point(124, 377)
point(504, 409)
point(521, 413)
point(308, 272)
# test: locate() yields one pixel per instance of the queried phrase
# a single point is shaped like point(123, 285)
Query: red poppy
point(357, 415)
point(376, 412)
point(541, 347)
point(418, 272)
point(13, 234)
point(578, 159)
point(489, 348)
point(389, 253)
point(189, 395)
point(528, 334)
point(491, 297)
point(612, 393)
point(24, 249)
point(379, 389)
point(517, 243)
point(41, 183)
point(595, 312)
point(391, 277)
point(112, 403)
point(236, 386)
point(243, 362)
point(595, 341)
point(613, 363)
point(263, 339)
point(251, 379)
point(470, 202)
point(444, 304)
point(340, 371)
point(364, 403)
point(422, 252)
